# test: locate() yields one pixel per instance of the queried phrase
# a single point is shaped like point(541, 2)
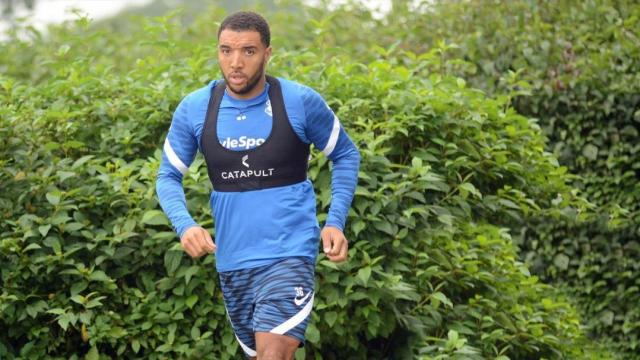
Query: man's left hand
point(334, 243)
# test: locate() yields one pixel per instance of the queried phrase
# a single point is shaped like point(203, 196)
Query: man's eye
point(250, 52)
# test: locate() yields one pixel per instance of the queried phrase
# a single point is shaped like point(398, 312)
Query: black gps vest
point(281, 160)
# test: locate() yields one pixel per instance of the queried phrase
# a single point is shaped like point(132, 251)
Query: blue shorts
point(275, 298)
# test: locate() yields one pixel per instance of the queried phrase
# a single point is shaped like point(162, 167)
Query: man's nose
point(236, 60)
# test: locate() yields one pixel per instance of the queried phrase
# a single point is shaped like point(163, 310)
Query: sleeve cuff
point(184, 228)
point(335, 225)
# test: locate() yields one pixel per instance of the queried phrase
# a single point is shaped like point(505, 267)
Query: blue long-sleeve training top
point(255, 228)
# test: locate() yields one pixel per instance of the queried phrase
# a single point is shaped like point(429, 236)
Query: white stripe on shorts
point(246, 349)
point(295, 320)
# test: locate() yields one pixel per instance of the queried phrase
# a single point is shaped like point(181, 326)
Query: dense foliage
point(574, 65)
point(582, 61)
point(90, 266)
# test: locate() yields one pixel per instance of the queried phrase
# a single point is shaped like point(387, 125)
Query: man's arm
point(179, 149)
point(324, 130)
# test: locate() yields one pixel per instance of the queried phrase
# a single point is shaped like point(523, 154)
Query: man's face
point(242, 58)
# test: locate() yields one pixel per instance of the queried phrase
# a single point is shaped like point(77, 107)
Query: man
point(254, 132)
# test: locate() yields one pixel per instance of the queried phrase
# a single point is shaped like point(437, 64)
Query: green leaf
point(172, 333)
point(94, 303)
point(79, 299)
point(154, 217)
point(357, 227)
point(384, 227)
point(50, 146)
point(74, 144)
point(63, 50)
point(329, 264)
point(81, 161)
point(44, 229)
point(470, 188)
point(590, 151)
point(135, 346)
point(65, 319)
point(191, 301)
point(78, 287)
point(607, 317)
point(85, 317)
point(35, 308)
point(64, 175)
point(330, 317)
point(172, 259)
point(26, 349)
point(54, 244)
point(561, 261)
point(93, 354)
point(442, 298)
point(192, 270)
point(195, 333)
point(364, 274)
point(73, 226)
point(56, 311)
point(312, 334)
point(504, 320)
point(446, 219)
point(32, 246)
point(117, 332)
point(53, 197)
point(99, 275)
point(164, 348)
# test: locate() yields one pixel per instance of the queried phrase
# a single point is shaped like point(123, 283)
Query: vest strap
point(281, 160)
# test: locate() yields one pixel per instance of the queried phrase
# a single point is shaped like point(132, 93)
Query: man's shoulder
point(293, 86)
point(302, 92)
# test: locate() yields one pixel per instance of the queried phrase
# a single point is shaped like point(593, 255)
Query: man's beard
point(251, 82)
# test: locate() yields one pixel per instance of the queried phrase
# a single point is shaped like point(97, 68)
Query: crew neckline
point(244, 103)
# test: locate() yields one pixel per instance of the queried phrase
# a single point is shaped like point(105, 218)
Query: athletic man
point(254, 132)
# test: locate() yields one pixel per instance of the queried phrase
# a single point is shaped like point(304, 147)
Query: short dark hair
point(247, 20)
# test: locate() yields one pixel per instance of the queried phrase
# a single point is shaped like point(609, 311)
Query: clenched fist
point(197, 241)
point(334, 243)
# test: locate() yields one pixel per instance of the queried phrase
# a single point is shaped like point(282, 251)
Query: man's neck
point(257, 90)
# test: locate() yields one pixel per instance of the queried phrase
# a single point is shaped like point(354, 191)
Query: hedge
point(91, 268)
point(573, 66)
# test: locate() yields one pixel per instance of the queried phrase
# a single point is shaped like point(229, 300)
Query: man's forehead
point(239, 37)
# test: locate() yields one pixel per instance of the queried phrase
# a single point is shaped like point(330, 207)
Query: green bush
point(581, 60)
point(574, 66)
point(90, 266)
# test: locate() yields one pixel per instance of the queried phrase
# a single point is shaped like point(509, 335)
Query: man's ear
point(267, 52)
